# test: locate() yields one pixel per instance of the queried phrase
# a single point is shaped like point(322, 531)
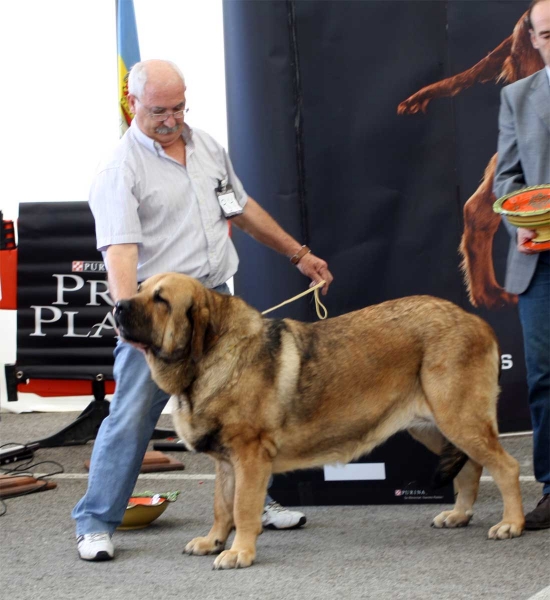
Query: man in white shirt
point(157, 207)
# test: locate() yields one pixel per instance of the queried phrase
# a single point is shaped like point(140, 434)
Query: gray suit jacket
point(523, 158)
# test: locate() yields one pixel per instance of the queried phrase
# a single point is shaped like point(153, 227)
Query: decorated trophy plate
point(529, 208)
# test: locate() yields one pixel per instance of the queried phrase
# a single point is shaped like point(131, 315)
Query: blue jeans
point(534, 314)
point(121, 442)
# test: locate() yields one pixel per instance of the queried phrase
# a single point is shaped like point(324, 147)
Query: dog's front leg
point(480, 226)
point(488, 68)
point(224, 494)
point(252, 471)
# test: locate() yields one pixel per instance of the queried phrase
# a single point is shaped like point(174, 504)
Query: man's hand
point(316, 269)
point(525, 235)
point(262, 227)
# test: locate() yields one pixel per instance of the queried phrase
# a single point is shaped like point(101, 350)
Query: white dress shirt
point(140, 195)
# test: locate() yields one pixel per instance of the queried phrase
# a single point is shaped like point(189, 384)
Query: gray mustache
point(164, 130)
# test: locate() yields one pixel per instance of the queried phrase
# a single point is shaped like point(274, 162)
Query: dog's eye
point(139, 288)
point(158, 298)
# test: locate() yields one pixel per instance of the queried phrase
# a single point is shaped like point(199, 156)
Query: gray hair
point(137, 77)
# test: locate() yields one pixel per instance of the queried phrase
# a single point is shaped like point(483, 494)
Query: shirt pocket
point(214, 177)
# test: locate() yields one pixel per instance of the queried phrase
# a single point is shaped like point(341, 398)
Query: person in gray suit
point(523, 161)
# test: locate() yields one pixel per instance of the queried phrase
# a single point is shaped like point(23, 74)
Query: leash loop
point(320, 308)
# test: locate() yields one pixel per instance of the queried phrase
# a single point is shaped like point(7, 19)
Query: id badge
point(228, 202)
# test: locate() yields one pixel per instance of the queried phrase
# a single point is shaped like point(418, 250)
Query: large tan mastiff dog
point(264, 396)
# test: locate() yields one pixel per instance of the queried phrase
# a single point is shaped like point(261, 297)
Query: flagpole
point(128, 56)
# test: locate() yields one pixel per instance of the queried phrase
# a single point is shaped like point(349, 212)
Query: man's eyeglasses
point(177, 114)
point(162, 116)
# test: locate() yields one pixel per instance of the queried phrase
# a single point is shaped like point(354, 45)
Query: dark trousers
point(534, 314)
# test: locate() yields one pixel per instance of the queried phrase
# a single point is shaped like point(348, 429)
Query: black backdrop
point(312, 95)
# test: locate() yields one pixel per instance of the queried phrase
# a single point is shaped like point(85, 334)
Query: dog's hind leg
point(482, 446)
point(478, 438)
point(224, 493)
point(461, 392)
point(466, 481)
point(466, 486)
point(505, 472)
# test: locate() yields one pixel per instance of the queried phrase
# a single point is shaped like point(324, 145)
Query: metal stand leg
point(85, 427)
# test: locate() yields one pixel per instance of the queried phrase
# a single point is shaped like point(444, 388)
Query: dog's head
point(168, 318)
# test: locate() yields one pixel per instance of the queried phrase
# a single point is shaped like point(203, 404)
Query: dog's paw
point(452, 518)
point(494, 298)
point(204, 545)
point(234, 559)
point(505, 531)
point(416, 103)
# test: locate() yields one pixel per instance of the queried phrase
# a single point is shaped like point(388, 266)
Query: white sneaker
point(276, 516)
point(95, 546)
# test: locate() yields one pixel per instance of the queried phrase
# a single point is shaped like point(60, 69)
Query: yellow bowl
point(543, 234)
point(530, 222)
point(141, 512)
point(529, 202)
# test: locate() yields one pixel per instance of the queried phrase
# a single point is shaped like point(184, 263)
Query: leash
point(320, 308)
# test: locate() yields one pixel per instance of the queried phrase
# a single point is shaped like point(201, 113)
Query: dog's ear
point(204, 319)
point(200, 317)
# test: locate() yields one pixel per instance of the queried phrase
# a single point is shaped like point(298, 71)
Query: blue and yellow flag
point(128, 56)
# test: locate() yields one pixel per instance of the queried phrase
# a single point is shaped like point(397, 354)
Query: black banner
point(64, 321)
point(313, 91)
point(325, 134)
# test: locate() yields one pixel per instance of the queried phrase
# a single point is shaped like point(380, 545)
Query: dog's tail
point(451, 461)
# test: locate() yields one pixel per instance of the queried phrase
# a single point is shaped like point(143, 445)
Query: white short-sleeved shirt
point(142, 196)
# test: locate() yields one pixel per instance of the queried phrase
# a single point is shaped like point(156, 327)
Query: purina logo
point(81, 266)
point(410, 491)
point(417, 493)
